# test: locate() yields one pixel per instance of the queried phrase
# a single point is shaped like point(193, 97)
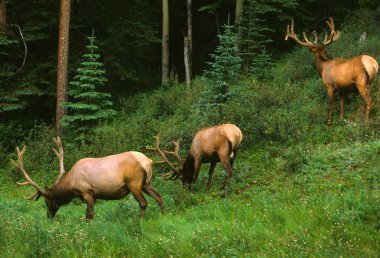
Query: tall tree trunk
point(63, 53)
point(3, 13)
point(165, 41)
point(238, 11)
point(188, 46)
point(238, 15)
point(187, 60)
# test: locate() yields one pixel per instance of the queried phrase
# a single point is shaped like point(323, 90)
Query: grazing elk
point(339, 74)
point(210, 145)
point(108, 178)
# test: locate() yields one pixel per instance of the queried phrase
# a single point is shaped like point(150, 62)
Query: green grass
point(328, 207)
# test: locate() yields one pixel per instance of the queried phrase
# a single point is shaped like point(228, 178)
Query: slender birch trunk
point(188, 45)
point(238, 15)
point(165, 41)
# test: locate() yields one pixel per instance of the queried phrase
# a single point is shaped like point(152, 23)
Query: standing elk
point(219, 143)
point(108, 178)
point(339, 74)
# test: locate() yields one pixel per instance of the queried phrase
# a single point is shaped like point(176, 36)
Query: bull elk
point(108, 178)
point(339, 74)
point(210, 145)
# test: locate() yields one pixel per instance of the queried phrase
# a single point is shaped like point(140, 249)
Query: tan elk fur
point(214, 144)
point(108, 178)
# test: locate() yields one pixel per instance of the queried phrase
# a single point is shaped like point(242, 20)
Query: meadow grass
point(327, 207)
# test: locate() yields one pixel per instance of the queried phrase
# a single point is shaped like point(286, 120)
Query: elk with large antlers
point(210, 145)
point(339, 74)
point(108, 178)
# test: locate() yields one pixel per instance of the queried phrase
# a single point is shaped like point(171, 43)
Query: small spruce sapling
point(88, 105)
point(224, 69)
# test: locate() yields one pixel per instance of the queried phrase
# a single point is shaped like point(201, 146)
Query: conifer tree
point(254, 39)
point(88, 105)
point(223, 69)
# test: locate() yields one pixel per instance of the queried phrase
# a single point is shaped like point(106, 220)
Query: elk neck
point(321, 60)
point(188, 168)
point(62, 192)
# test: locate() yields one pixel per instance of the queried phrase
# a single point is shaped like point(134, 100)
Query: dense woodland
point(300, 187)
point(130, 42)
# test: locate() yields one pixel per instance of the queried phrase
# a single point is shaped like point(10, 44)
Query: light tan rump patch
point(371, 66)
point(145, 162)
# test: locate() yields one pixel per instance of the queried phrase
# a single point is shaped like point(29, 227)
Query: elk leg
point(227, 167)
point(232, 160)
point(210, 172)
point(341, 106)
point(330, 94)
point(148, 189)
point(139, 197)
point(89, 199)
point(367, 99)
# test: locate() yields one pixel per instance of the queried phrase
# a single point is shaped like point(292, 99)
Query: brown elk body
point(210, 145)
point(339, 75)
point(108, 178)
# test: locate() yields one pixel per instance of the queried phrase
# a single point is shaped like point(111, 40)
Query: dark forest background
point(128, 34)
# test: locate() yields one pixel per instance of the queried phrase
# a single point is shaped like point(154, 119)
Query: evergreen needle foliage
point(16, 92)
point(224, 69)
point(256, 36)
point(88, 105)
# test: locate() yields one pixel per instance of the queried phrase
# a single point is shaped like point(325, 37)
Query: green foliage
point(223, 70)
point(88, 106)
point(254, 38)
point(23, 90)
point(131, 36)
point(16, 92)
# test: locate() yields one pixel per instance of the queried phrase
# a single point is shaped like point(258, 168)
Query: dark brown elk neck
point(62, 192)
point(321, 61)
point(188, 168)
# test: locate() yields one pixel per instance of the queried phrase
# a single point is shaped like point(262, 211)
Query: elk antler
point(334, 35)
point(59, 155)
point(290, 34)
point(20, 166)
point(174, 172)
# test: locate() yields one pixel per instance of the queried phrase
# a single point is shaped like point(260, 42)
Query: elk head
point(52, 206)
point(313, 45)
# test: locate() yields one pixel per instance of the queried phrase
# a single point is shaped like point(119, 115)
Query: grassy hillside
point(324, 203)
point(300, 188)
